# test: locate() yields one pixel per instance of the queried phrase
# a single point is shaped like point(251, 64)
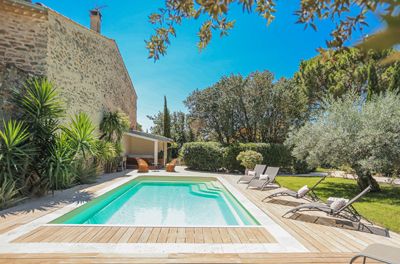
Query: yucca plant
point(80, 135)
point(41, 108)
point(106, 154)
point(59, 168)
point(8, 193)
point(15, 151)
point(113, 125)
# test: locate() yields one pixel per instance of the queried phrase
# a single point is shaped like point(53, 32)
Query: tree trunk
point(364, 179)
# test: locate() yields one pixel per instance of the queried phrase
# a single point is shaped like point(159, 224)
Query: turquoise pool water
point(163, 201)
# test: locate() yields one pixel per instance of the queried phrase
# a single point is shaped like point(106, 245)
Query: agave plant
point(106, 154)
point(8, 193)
point(59, 167)
point(80, 135)
point(113, 125)
point(84, 172)
point(15, 150)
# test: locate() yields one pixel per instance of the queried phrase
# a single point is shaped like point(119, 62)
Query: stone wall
point(11, 78)
point(89, 69)
point(23, 40)
point(86, 67)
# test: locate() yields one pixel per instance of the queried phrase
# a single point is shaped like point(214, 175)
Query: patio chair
point(379, 252)
point(258, 170)
point(300, 194)
point(142, 165)
point(170, 167)
point(339, 208)
point(262, 183)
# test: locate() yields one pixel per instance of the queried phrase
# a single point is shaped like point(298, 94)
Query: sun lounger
point(268, 182)
point(301, 193)
point(258, 170)
point(344, 210)
point(379, 252)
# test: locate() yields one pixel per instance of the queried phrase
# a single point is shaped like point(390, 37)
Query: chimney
point(95, 20)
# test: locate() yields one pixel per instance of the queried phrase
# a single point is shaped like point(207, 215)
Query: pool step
point(199, 190)
point(207, 188)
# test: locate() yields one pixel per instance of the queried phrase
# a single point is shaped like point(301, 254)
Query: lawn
point(381, 208)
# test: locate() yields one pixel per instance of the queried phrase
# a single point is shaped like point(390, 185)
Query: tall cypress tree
point(395, 81)
point(373, 83)
point(167, 126)
point(166, 120)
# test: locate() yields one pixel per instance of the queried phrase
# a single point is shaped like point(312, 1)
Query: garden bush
point(249, 159)
point(273, 155)
point(211, 156)
point(205, 156)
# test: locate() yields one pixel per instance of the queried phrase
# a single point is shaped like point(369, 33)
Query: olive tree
point(364, 135)
point(216, 16)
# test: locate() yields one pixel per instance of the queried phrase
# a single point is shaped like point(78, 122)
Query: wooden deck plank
point(172, 234)
point(233, 236)
point(180, 238)
point(127, 235)
point(99, 234)
point(224, 235)
point(145, 235)
point(108, 234)
point(216, 236)
point(198, 235)
point(118, 234)
point(154, 235)
point(136, 235)
point(242, 236)
point(189, 235)
point(162, 237)
point(207, 235)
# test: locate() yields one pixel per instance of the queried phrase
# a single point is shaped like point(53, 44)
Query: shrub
point(249, 159)
point(84, 172)
point(8, 193)
point(273, 155)
point(206, 156)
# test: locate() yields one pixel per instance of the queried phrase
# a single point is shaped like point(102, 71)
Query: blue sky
point(250, 46)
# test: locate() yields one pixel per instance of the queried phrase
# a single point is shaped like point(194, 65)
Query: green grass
point(381, 208)
point(319, 169)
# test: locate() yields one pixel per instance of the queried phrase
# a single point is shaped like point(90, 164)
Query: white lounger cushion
point(264, 176)
point(330, 200)
point(303, 191)
point(339, 203)
point(251, 173)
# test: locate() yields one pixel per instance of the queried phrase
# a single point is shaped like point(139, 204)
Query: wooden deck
point(264, 258)
point(316, 237)
point(198, 235)
point(327, 240)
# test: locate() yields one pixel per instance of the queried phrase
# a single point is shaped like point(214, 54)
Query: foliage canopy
point(349, 16)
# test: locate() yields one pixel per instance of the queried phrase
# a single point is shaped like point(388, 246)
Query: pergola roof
point(148, 136)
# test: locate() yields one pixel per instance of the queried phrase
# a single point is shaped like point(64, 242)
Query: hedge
point(273, 155)
point(206, 156)
point(211, 156)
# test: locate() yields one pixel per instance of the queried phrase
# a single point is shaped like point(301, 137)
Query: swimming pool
point(163, 201)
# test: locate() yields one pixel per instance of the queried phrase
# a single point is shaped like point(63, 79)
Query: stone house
point(85, 66)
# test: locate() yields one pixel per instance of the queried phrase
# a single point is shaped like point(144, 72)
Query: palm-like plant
point(80, 135)
point(8, 193)
point(113, 125)
point(41, 108)
point(59, 165)
point(15, 150)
